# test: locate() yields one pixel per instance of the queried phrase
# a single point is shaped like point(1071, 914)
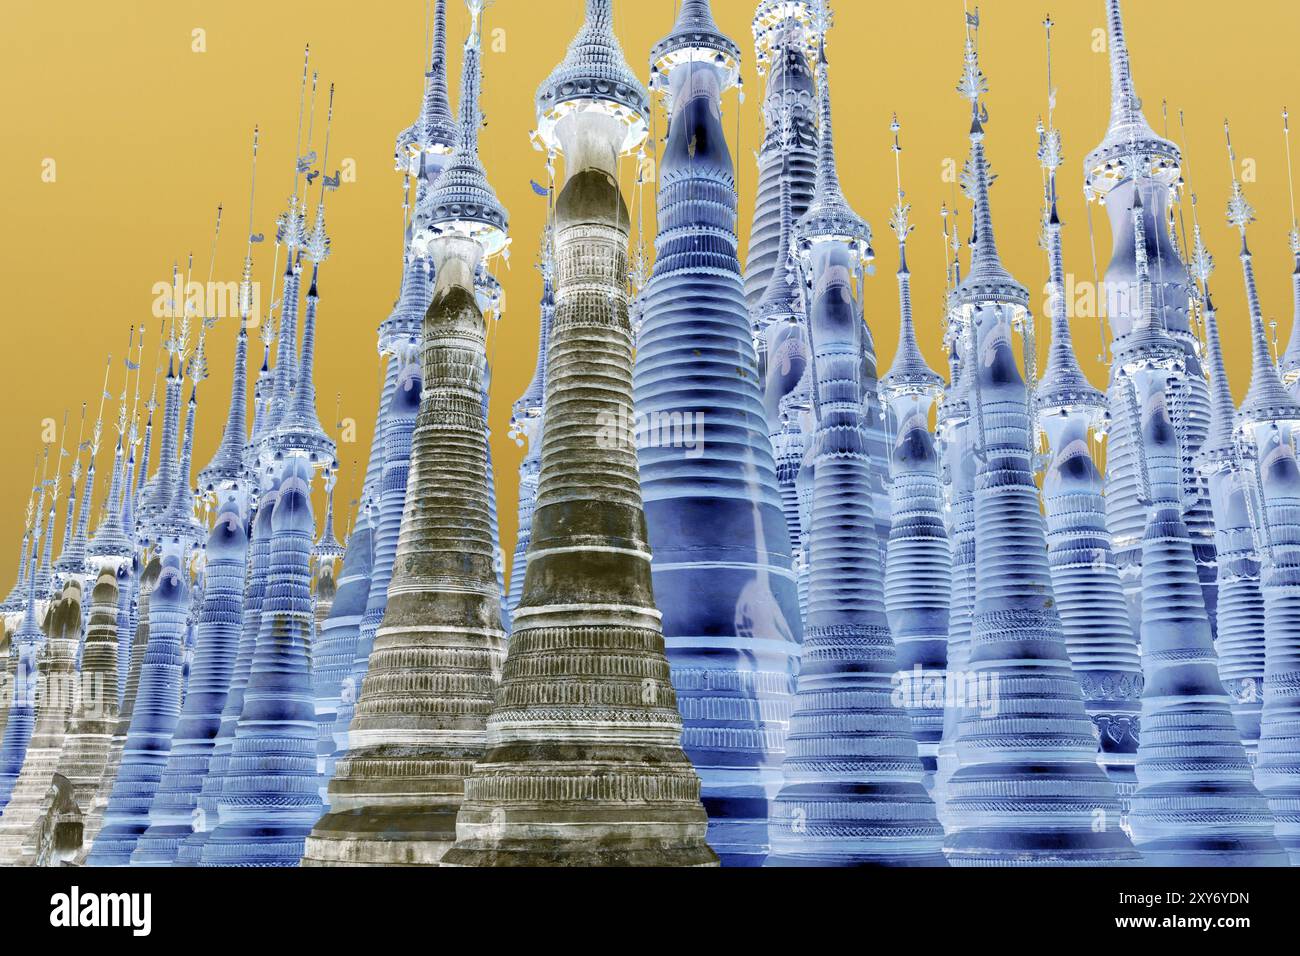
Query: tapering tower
point(227, 482)
point(785, 37)
point(95, 707)
point(850, 753)
point(422, 153)
point(1240, 640)
point(1112, 178)
point(956, 433)
point(58, 691)
point(722, 570)
point(419, 724)
point(28, 639)
point(585, 725)
point(1267, 429)
point(1099, 634)
point(70, 564)
point(1028, 791)
point(270, 791)
point(1196, 803)
point(1290, 361)
point(918, 575)
point(27, 642)
point(146, 583)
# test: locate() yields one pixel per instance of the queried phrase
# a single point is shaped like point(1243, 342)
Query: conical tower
point(270, 794)
point(258, 551)
point(1240, 642)
point(95, 710)
point(1098, 632)
point(607, 747)
point(1110, 176)
point(722, 571)
point(437, 657)
point(58, 692)
point(918, 575)
point(270, 790)
point(1196, 804)
point(850, 753)
point(28, 639)
point(1268, 425)
point(1029, 750)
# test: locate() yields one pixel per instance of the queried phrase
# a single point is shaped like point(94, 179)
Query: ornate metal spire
point(436, 130)
point(1290, 364)
point(829, 216)
point(909, 373)
point(1063, 384)
point(1267, 400)
point(695, 37)
point(987, 279)
point(594, 75)
point(110, 540)
point(1129, 132)
point(227, 465)
point(463, 201)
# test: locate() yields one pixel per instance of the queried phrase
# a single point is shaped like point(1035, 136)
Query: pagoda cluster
point(772, 602)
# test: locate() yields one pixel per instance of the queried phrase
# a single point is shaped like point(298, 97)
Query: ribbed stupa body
point(1196, 804)
point(1085, 579)
point(1099, 633)
point(1278, 769)
point(94, 716)
point(918, 572)
point(26, 644)
point(57, 698)
point(254, 598)
point(1110, 175)
point(270, 795)
point(722, 571)
point(420, 720)
point(397, 423)
point(1267, 425)
point(1240, 639)
point(94, 820)
point(918, 579)
point(1028, 791)
point(584, 764)
point(219, 627)
point(783, 47)
point(153, 720)
point(957, 434)
point(333, 656)
point(853, 792)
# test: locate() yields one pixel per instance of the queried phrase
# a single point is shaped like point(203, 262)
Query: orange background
point(148, 136)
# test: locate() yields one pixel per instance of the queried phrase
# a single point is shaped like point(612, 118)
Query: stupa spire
point(227, 465)
point(1290, 363)
point(438, 125)
point(910, 372)
point(1267, 398)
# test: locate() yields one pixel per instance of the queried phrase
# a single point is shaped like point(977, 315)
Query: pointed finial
point(1240, 212)
point(898, 220)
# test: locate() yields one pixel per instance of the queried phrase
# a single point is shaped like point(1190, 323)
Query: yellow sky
point(147, 133)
